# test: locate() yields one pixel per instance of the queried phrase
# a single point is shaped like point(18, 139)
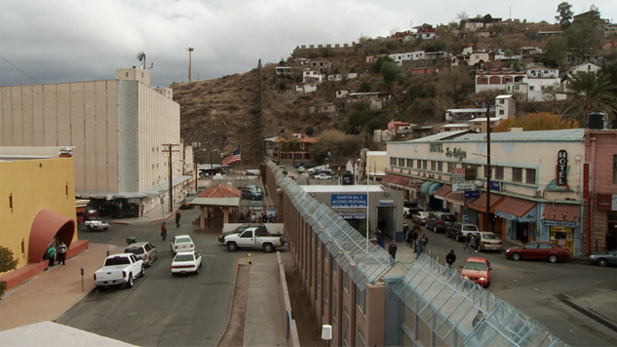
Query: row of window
point(517, 174)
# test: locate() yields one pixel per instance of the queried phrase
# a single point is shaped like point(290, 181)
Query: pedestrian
point(248, 218)
point(143, 208)
point(62, 253)
point(467, 242)
point(392, 250)
point(525, 237)
point(562, 242)
point(209, 219)
point(420, 246)
point(415, 234)
point(476, 239)
point(178, 216)
point(450, 258)
point(242, 217)
point(254, 217)
point(163, 231)
point(611, 243)
point(406, 232)
point(478, 319)
point(51, 252)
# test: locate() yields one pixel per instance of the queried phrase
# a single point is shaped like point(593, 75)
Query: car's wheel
point(143, 271)
point(516, 256)
point(129, 284)
point(602, 262)
point(268, 248)
point(552, 258)
point(232, 247)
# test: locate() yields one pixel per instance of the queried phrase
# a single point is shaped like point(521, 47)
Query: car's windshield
point(184, 257)
point(470, 227)
point(489, 236)
point(183, 240)
point(472, 265)
point(135, 250)
point(117, 261)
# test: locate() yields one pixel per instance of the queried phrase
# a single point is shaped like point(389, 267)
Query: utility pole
point(488, 168)
point(190, 49)
point(170, 150)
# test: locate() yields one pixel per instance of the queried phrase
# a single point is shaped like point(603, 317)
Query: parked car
point(539, 250)
point(251, 194)
point(604, 259)
point(298, 164)
point(261, 230)
point(144, 251)
point(182, 243)
point(459, 231)
point(439, 221)
point(91, 214)
point(96, 224)
point(478, 270)
point(185, 204)
point(119, 269)
point(488, 241)
point(420, 217)
point(249, 238)
point(322, 177)
point(301, 169)
point(185, 262)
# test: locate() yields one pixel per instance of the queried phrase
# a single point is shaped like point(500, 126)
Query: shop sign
point(436, 147)
point(386, 202)
point(348, 201)
point(455, 153)
point(558, 223)
point(562, 168)
point(352, 215)
point(496, 185)
point(462, 187)
point(472, 194)
point(606, 202)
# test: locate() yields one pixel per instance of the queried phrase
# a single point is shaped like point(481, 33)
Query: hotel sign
point(562, 168)
point(451, 153)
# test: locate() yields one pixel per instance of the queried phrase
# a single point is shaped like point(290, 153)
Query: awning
point(402, 181)
point(433, 188)
point(561, 213)
point(163, 187)
point(229, 202)
point(425, 186)
point(516, 209)
point(443, 191)
point(480, 203)
point(456, 198)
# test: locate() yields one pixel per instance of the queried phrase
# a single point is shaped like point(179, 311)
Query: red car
point(478, 270)
point(539, 250)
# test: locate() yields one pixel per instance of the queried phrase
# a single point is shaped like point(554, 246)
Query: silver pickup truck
point(252, 238)
point(118, 269)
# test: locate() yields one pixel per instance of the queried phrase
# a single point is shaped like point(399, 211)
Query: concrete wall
point(33, 185)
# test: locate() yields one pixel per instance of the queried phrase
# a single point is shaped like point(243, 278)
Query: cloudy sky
point(83, 40)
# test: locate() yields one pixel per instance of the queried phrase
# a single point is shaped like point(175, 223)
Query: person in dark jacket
point(163, 231)
point(392, 250)
point(450, 258)
point(178, 215)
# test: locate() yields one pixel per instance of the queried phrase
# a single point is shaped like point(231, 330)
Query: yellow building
point(37, 207)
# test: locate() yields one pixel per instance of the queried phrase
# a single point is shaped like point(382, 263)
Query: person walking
point(392, 250)
point(525, 237)
point(178, 216)
point(62, 253)
point(163, 231)
point(420, 246)
point(467, 242)
point(51, 252)
point(406, 233)
point(416, 233)
point(378, 235)
point(450, 258)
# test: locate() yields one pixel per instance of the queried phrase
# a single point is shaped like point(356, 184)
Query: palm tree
point(589, 93)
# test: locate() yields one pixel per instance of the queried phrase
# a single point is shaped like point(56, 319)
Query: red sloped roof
point(480, 203)
point(219, 191)
point(561, 212)
point(515, 207)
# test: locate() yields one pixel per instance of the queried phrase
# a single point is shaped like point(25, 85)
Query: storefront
point(427, 196)
point(560, 224)
point(479, 207)
point(518, 215)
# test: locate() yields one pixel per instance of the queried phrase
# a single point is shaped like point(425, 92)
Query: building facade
point(540, 193)
point(118, 129)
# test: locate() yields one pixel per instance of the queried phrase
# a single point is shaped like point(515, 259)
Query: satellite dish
point(141, 55)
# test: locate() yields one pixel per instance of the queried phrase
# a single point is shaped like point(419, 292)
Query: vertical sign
point(562, 168)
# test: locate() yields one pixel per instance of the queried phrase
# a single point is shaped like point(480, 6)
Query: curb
point(74, 303)
point(231, 307)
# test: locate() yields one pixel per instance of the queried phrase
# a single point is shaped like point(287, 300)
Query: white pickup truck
point(118, 269)
point(253, 238)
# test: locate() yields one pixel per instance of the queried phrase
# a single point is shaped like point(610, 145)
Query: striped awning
point(561, 212)
point(443, 191)
point(480, 203)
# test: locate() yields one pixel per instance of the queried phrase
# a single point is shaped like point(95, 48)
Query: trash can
point(400, 236)
point(131, 239)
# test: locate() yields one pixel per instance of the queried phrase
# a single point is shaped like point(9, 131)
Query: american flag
point(234, 157)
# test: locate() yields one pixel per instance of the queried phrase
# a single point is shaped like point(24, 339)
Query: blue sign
point(348, 201)
point(472, 194)
point(496, 185)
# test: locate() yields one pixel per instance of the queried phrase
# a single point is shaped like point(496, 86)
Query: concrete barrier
point(293, 338)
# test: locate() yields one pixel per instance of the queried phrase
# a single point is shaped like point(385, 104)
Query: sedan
point(604, 259)
point(487, 241)
point(251, 194)
point(301, 169)
point(182, 243)
point(186, 262)
point(420, 217)
point(96, 224)
point(539, 250)
point(478, 270)
point(322, 177)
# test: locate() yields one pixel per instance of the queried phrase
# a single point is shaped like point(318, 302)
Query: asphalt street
point(161, 309)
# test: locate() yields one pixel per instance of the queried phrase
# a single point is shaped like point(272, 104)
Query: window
point(360, 342)
point(419, 164)
point(361, 299)
point(517, 174)
point(346, 282)
point(440, 166)
point(530, 176)
point(345, 327)
point(334, 306)
point(392, 161)
point(409, 163)
point(424, 164)
point(615, 169)
point(502, 112)
point(401, 162)
point(451, 167)
point(325, 290)
point(499, 172)
point(433, 165)
point(334, 267)
point(531, 88)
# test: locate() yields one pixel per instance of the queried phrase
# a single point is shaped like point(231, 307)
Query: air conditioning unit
point(538, 194)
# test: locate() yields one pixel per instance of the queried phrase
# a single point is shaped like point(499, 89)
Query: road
point(161, 309)
point(576, 301)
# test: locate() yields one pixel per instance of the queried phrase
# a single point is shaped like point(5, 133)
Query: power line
point(18, 69)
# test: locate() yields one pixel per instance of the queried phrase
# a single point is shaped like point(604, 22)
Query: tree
point(391, 73)
point(536, 121)
point(587, 92)
point(309, 131)
point(556, 52)
point(584, 36)
point(7, 261)
point(337, 147)
point(435, 45)
point(455, 83)
point(565, 15)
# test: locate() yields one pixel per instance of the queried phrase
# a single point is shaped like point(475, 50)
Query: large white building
point(118, 128)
